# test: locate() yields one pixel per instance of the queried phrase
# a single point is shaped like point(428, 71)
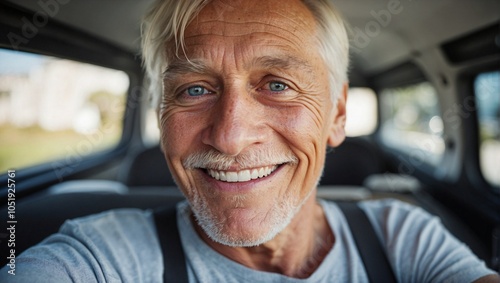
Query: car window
point(412, 120)
point(487, 89)
point(361, 112)
point(151, 133)
point(52, 108)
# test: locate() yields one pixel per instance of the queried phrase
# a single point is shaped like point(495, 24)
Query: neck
point(297, 251)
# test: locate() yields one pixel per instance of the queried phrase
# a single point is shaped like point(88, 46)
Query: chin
point(244, 227)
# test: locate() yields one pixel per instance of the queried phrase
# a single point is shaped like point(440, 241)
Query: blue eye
point(196, 91)
point(277, 86)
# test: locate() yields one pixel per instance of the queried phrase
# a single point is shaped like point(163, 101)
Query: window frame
point(61, 41)
point(472, 162)
point(464, 184)
point(473, 84)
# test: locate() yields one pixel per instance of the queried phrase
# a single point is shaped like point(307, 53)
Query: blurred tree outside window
point(53, 108)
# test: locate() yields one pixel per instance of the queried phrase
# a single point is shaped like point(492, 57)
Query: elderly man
point(250, 95)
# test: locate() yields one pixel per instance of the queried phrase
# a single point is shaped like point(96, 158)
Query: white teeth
point(243, 175)
point(262, 172)
point(255, 174)
point(232, 176)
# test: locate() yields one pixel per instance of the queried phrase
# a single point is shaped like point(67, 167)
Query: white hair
point(167, 20)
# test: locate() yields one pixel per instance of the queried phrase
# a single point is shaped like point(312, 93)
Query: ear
point(337, 130)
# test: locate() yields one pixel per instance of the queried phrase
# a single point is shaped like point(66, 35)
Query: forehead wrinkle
point(207, 40)
point(296, 15)
point(294, 34)
point(301, 25)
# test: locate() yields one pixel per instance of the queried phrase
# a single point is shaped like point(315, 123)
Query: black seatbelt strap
point(174, 262)
point(374, 258)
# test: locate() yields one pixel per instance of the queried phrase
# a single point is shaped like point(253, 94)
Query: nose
point(237, 122)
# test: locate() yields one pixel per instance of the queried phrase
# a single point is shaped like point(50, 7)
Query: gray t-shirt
point(122, 246)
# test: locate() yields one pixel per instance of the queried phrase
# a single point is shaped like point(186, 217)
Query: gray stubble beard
point(279, 218)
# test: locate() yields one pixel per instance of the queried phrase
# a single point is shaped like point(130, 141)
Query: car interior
point(423, 121)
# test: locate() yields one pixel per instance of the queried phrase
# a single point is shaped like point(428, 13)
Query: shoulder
point(109, 223)
point(121, 230)
point(419, 247)
point(391, 205)
point(113, 246)
point(388, 213)
point(394, 213)
point(399, 223)
point(121, 240)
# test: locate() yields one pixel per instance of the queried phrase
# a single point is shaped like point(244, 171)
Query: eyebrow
point(285, 62)
point(181, 67)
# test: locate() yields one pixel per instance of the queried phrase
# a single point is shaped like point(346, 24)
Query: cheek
point(305, 126)
point(177, 131)
point(173, 132)
point(305, 131)
point(178, 136)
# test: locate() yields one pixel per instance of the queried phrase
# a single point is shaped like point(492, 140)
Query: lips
point(242, 175)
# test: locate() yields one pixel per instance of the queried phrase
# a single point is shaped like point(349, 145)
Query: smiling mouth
point(242, 175)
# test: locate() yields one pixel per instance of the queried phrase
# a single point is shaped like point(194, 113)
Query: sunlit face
point(245, 129)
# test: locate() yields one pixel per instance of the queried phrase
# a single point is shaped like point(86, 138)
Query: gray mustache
point(215, 160)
